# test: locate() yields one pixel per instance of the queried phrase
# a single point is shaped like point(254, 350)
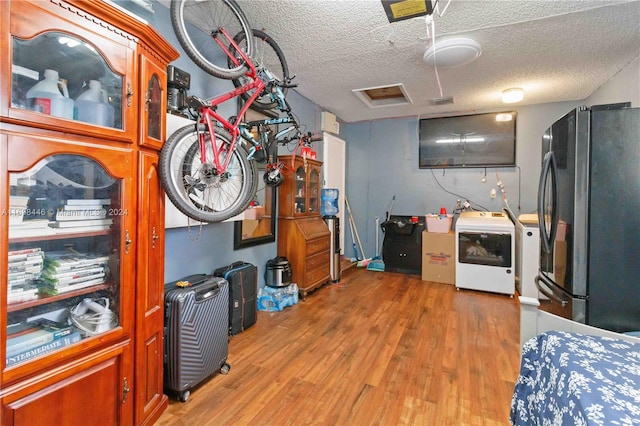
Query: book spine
point(57, 329)
point(81, 214)
point(73, 223)
point(53, 275)
point(88, 202)
point(63, 282)
point(45, 348)
point(24, 251)
point(23, 296)
point(28, 341)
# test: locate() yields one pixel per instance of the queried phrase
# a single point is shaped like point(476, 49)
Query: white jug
point(50, 96)
point(92, 106)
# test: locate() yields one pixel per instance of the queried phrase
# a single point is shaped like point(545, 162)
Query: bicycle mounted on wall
point(209, 170)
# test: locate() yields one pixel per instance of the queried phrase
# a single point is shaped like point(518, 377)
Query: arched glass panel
point(59, 74)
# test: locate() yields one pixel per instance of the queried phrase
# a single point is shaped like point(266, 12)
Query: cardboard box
point(439, 257)
point(560, 261)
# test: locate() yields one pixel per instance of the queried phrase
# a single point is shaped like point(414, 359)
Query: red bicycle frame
point(209, 116)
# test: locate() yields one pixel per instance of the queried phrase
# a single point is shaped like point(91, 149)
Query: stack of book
point(17, 208)
point(30, 228)
point(38, 337)
point(64, 271)
point(25, 267)
point(87, 214)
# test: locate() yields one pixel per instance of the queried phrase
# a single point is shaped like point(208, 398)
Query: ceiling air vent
point(442, 101)
point(383, 96)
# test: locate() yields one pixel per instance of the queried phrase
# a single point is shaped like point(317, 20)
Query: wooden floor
point(377, 348)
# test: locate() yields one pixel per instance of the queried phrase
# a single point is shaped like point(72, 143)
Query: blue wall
point(382, 161)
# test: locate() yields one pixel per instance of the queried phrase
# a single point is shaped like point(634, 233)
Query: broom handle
point(355, 229)
point(377, 236)
point(393, 201)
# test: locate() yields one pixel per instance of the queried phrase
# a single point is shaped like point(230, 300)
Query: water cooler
point(329, 210)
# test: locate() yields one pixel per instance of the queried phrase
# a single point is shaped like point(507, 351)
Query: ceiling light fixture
point(452, 52)
point(460, 139)
point(504, 117)
point(513, 95)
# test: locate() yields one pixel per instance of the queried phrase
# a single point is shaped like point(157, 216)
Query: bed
point(570, 378)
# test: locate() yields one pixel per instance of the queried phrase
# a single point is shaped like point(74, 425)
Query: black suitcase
point(196, 335)
point(243, 294)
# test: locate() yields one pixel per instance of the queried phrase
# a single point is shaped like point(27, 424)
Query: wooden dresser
point(303, 237)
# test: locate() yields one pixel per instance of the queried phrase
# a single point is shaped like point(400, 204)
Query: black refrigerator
point(589, 217)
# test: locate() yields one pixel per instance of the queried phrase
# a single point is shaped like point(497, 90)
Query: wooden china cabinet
point(303, 236)
point(82, 225)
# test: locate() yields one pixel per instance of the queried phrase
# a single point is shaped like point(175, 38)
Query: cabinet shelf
point(14, 307)
point(59, 236)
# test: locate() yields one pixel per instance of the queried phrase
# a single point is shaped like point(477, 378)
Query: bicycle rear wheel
point(266, 55)
point(196, 188)
point(196, 21)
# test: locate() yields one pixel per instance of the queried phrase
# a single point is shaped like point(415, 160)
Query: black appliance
point(178, 82)
point(278, 272)
point(589, 218)
point(333, 223)
point(402, 244)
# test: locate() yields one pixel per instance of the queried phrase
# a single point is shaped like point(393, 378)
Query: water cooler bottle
point(329, 210)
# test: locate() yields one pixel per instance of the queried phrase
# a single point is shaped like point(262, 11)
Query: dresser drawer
point(317, 260)
point(318, 245)
point(316, 276)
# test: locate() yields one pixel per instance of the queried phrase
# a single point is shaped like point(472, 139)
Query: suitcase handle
point(207, 292)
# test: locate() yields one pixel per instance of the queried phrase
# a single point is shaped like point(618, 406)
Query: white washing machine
point(485, 252)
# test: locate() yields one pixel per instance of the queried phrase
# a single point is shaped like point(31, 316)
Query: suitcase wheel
point(225, 368)
point(184, 396)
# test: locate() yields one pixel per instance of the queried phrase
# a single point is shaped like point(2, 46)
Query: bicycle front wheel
point(195, 187)
point(196, 22)
point(267, 57)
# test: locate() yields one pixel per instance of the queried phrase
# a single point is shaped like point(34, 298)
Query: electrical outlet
point(492, 194)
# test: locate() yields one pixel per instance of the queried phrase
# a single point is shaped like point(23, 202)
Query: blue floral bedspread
point(575, 379)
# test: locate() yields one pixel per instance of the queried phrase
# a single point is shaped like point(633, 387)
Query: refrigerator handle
point(548, 290)
point(554, 201)
point(548, 169)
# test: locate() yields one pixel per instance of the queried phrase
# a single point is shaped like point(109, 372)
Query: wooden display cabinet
point(303, 236)
point(82, 224)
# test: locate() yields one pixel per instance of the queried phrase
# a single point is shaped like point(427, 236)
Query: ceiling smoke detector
point(452, 52)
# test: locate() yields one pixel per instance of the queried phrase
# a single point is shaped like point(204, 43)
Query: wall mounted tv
point(478, 140)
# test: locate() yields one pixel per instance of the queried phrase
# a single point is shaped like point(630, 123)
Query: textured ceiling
point(555, 50)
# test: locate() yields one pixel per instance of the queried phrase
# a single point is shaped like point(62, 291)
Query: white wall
point(623, 87)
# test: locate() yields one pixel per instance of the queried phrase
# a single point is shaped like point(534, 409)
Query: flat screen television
point(478, 140)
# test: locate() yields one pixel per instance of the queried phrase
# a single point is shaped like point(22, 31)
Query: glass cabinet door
point(63, 277)
point(71, 74)
point(314, 190)
point(301, 188)
point(153, 106)
point(62, 75)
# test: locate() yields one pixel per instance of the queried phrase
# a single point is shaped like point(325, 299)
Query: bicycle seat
point(197, 103)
